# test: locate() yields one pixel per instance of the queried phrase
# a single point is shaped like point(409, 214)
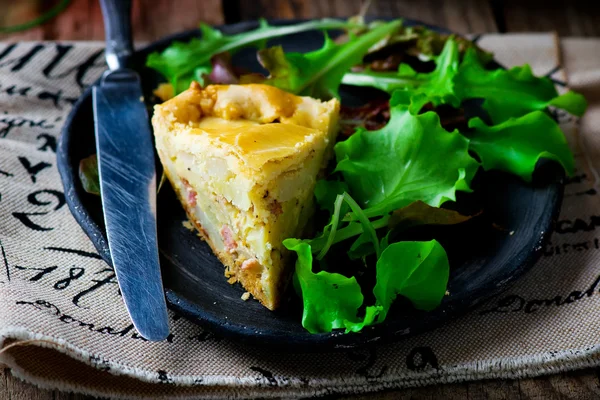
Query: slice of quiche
point(243, 160)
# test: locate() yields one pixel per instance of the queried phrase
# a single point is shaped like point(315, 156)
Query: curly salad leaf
point(416, 270)
point(415, 41)
point(319, 73)
point(517, 144)
point(436, 87)
point(181, 63)
point(392, 167)
point(389, 169)
point(507, 93)
point(396, 175)
point(511, 93)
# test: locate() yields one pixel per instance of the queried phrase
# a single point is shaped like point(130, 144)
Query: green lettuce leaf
point(414, 214)
point(417, 41)
point(517, 144)
point(181, 63)
point(332, 233)
point(436, 86)
point(327, 238)
point(418, 271)
point(88, 174)
point(361, 247)
point(428, 44)
point(572, 102)
point(327, 191)
point(330, 300)
point(392, 167)
point(507, 93)
point(404, 78)
point(319, 73)
point(511, 93)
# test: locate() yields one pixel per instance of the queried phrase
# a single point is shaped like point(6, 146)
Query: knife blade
point(126, 168)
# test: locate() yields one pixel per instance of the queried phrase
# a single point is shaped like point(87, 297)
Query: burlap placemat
point(54, 287)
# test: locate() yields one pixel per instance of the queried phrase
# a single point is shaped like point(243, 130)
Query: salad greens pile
point(402, 174)
point(182, 63)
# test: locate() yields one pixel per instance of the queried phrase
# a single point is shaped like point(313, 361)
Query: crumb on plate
point(188, 225)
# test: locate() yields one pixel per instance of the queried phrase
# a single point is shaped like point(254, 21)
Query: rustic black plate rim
point(333, 340)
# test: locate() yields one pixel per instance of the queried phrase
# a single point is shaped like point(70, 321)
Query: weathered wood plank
point(577, 385)
point(566, 17)
point(155, 19)
point(463, 16)
point(72, 24)
point(152, 19)
point(14, 389)
point(16, 13)
point(493, 390)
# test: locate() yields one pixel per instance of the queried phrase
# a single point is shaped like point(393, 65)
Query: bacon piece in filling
point(191, 193)
point(227, 235)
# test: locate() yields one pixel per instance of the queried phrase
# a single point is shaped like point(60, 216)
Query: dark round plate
point(485, 260)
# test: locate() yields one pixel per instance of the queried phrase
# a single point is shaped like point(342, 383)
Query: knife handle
point(117, 28)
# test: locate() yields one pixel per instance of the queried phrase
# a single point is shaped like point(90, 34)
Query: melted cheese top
point(267, 129)
point(257, 144)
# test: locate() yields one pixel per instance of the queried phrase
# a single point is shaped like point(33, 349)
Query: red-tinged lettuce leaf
point(430, 44)
point(330, 300)
point(507, 93)
point(284, 72)
point(511, 93)
point(222, 70)
point(392, 167)
point(319, 73)
point(415, 41)
point(88, 174)
point(419, 213)
point(376, 114)
point(371, 116)
point(418, 271)
point(517, 144)
point(181, 63)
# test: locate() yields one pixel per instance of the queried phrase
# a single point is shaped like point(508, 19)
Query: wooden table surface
point(155, 18)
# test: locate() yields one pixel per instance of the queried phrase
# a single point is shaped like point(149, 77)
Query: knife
point(128, 177)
